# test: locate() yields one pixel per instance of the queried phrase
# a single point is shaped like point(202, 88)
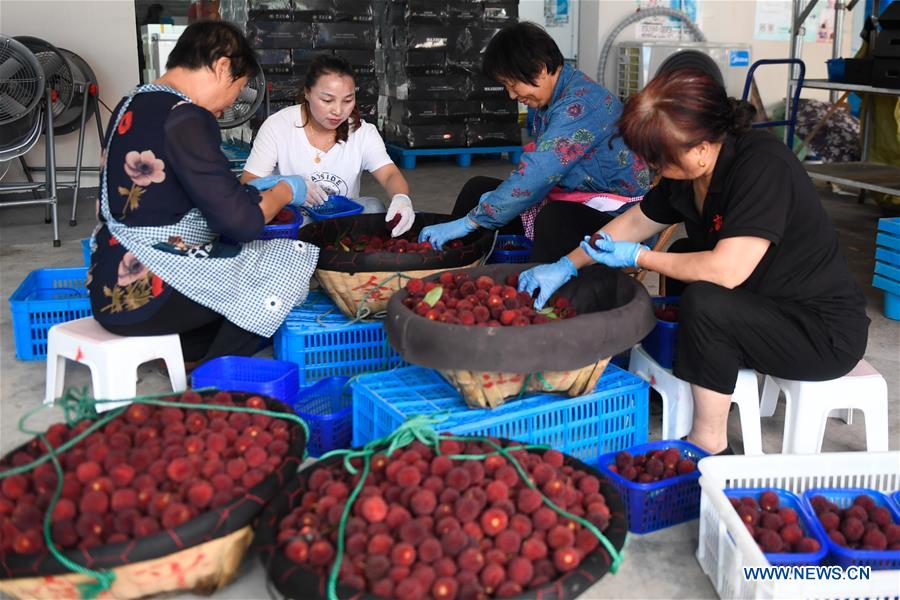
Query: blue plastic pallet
point(407, 156)
point(613, 417)
point(324, 343)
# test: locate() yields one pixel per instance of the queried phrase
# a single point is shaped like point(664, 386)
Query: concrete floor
point(25, 245)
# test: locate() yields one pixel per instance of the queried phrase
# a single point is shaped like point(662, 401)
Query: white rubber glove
point(315, 195)
point(401, 205)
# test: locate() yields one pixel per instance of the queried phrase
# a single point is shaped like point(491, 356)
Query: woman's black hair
point(517, 53)
point(326, 64)
point(205, 42)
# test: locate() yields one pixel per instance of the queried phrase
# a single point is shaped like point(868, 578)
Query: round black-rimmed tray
point(614, 313)
point(212, 524)
point(322, 233)
point(294, 581)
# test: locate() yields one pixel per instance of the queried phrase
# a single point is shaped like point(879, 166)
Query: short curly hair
point(205, 42)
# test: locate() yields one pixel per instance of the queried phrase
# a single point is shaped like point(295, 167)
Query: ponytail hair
point(329, 65)
point(678, 110)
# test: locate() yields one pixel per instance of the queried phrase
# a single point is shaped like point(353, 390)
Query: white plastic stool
point(678, 400)
point(809, 403)
point(112, 359)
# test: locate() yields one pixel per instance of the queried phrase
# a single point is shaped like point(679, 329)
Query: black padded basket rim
point(219, 522)
point(287, 576)
point(571, 344)
point(477, 245)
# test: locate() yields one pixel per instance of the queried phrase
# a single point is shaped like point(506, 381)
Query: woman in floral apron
point(167, 194)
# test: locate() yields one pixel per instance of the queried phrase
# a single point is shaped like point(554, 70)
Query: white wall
point(103, 33)
point(720, 21)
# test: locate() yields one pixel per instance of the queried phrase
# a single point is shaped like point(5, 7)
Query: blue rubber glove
point(297, 183)
point(442, 233)
point(618, 255)
point(548, 278)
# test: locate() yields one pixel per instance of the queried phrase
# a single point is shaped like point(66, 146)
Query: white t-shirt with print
point(281, 146)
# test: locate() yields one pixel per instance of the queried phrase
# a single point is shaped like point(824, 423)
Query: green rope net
point(420, 428)
point(78, 406)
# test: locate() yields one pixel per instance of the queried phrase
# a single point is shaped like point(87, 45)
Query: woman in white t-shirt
point(324, 140)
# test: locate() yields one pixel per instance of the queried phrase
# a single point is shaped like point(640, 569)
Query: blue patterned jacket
point(577, 149)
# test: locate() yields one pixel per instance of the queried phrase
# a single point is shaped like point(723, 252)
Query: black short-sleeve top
point(760, 189)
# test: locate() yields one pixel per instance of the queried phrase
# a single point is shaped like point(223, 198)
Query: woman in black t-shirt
point(764, 283)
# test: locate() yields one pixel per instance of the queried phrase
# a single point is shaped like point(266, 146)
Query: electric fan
point(21, 90)
point(247, 103)
point(73, 95)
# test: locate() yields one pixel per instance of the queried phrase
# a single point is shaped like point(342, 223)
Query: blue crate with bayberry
point(662, 342)
point(659, 481)
point(780, 524)
point(861, 526)
point(327, 407)
point(511, 249)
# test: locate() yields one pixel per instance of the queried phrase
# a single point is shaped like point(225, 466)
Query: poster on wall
point(556, 13)
point(773, 22)
point(667, 28)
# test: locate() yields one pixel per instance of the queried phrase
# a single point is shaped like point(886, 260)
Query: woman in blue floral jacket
point(577, 149)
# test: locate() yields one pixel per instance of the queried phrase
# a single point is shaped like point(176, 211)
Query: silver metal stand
point(75, 184)
point(48, 186)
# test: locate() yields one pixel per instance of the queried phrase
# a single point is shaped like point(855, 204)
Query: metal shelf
point(824, 84)
point(871, 176)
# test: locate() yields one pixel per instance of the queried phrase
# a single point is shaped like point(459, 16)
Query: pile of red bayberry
point(149, 469)
point(458, 299)
point(775, 529)
point(426, 525)
point(667, 312)
point(653, 466)
point(862, 526)
point(375, 243)
point(284, 217)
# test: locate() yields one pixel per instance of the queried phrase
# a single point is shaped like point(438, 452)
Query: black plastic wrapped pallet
point(275, 62)
point(314, 11)
point(284, 87)
point(294, 581)
point(280, 34)
point(345, 36)
point(329, 232)
point(368, 110)
point(450, 135)
point(417, 112)
point(493, 133)
point(463, 12)
point(362, 61)
point(411, 61)
point(614, 313)
point(480, 87)
point(215, 523)
point(506, 111)
point(446, 87)
point(499, 13)
point(468, 47)
point(302, 57)
point(366, 86)
point(418, 36)
point(270, 4)
point(462, 111)
point(270, 15)
point(417, 11)
point(353, 11)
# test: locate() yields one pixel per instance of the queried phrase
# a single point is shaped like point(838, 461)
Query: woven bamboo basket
point(482, 389)
point(370, 291)
point(202, 569)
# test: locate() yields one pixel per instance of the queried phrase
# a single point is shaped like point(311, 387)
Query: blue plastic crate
point(86, 251)
point(45, 298)
point(845, 557)
point(274, 378)
point(805, 519)
point(286, 230)
point(323, 342)
point(504, 252)
point(327, 407)
point(612, 417)
point(661, 504)
point(835, 68)
point(662, 342)
point(334, 207)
